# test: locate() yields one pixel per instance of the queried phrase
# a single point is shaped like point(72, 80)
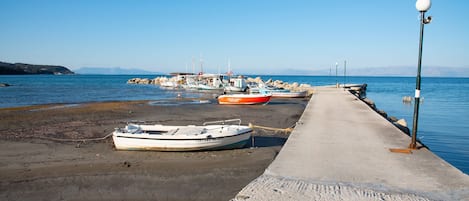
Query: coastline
point(31, 167)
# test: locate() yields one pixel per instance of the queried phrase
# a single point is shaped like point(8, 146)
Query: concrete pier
point(340, 151)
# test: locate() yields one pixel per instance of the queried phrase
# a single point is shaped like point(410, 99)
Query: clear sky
point(258, 36)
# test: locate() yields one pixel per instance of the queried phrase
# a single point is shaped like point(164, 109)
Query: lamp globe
point(423, 5)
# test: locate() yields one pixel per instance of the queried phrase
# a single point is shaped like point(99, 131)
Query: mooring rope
point(75, 140)
point(285, 130)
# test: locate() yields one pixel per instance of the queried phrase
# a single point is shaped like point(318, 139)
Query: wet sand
point(35, 167)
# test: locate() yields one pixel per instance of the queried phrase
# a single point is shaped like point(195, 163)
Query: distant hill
point(25, 69)
point(385, 71)
point(411, 71)
point(113, 71)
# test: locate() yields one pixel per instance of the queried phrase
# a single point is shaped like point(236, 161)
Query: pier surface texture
point(340, 151)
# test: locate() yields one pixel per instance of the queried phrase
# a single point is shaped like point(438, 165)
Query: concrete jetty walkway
point(340, 151)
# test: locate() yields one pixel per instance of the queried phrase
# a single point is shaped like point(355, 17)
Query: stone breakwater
point(361, 94)
point(295, 86)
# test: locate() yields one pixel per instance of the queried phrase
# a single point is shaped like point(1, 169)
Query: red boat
point(244, 99)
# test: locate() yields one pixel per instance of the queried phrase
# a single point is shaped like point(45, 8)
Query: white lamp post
point(336, 80)
point(422, 6)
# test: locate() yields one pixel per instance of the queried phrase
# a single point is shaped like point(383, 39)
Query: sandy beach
point(34, 166)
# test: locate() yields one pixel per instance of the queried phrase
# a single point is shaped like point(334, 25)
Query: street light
point(336, 80)
point(422, 6)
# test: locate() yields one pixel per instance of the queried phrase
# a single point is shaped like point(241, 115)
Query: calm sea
point(443, 119)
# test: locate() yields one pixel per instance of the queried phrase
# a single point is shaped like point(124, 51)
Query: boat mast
point(229, 67)
point(193, 64)
point(201, 64)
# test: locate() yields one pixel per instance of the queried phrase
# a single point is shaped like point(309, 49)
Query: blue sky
point(257, 36)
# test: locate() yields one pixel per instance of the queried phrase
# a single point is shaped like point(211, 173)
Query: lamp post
point(422, 6)
point(336, 80)
point(345, 72)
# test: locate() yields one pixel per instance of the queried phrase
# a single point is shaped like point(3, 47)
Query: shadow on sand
point(266, 141)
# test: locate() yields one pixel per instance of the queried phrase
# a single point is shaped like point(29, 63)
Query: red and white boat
point(244, 99)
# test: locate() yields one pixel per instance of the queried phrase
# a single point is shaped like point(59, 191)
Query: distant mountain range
point(25, 69)
point(385, 71)
point(114, 71)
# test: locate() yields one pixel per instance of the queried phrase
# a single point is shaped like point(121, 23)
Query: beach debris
point(126, 164)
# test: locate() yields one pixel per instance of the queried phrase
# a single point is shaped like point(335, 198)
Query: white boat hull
point(234, 89)
point(300, 94)
point(212, 137)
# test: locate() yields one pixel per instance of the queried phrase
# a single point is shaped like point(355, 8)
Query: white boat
point(169, 84)
point(236, 85)
point(283, 93)
point(211, 136)
point(288, 94)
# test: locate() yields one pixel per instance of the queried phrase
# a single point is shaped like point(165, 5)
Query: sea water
point(70, 89)
point(443, 124)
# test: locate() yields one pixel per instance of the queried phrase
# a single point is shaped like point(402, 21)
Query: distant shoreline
point(32, 69)
point(257, 75)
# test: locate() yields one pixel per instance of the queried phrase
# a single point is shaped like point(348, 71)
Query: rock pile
point(295, 86)
point(143, 81)
point(399, 123)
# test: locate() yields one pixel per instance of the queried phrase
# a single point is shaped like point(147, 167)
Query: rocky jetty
point(25, 69)
point(277, 83)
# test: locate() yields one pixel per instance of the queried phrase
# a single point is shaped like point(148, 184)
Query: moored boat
point(244, 99)
point(236, 85)
point(283, 93)
point(211, 136)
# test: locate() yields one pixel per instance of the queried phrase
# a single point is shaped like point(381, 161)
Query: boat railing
point(223, 122)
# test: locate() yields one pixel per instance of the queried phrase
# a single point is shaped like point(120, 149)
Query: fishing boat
point(210, 136)
point(244, 99)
